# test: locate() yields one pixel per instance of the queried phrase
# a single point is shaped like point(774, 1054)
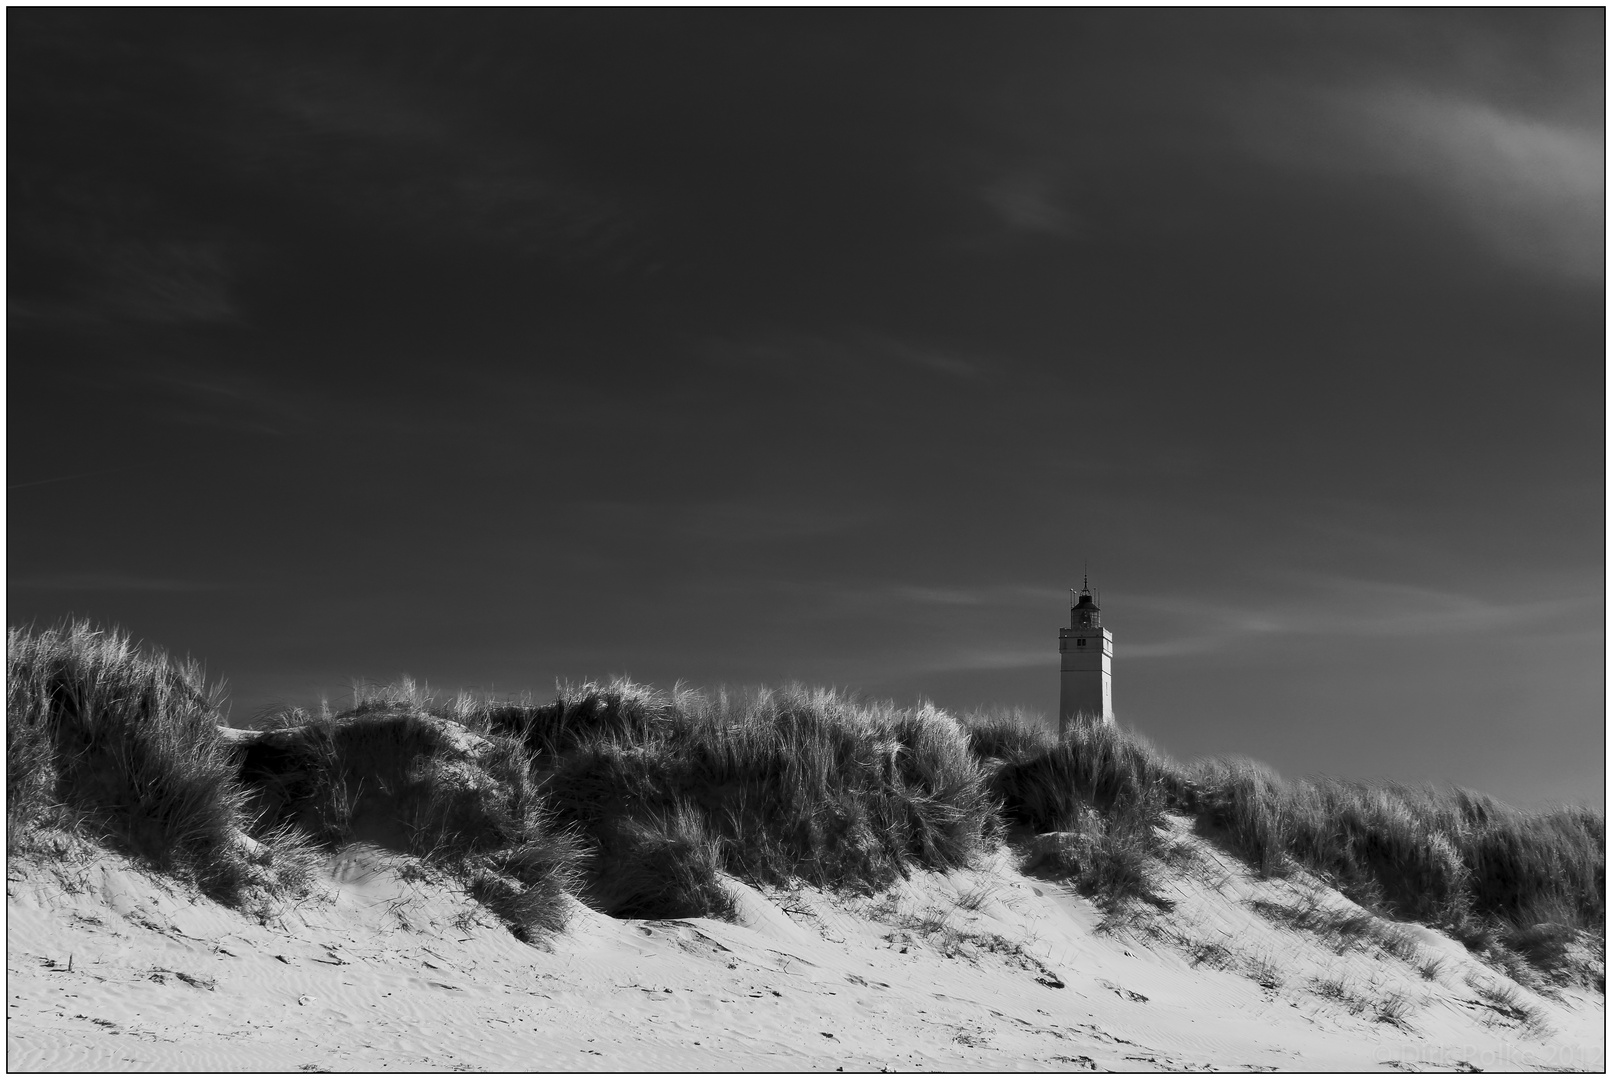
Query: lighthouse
point(1086, 667)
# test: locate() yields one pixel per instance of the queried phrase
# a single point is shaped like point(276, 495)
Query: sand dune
point(111, 968)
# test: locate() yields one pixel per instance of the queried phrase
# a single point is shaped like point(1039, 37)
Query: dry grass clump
point(122, 745)
point(1506, 882)
point(391, 774)
point(1520, 888)
point(1212, 954)
point(1509, 1006)
point(1425, 855)
point(668, 867)
point(1264, 971)
point(1393, 1007)
point(1336, 988)
point(1096, 796)
point(122, 742)
point(1563, 954)
point(1046, 782)
point(1430, 967)
point(1341, 929)
point(1398, 942)
point(1112, 858)
point(770, 786)
point(942, 928)
point(1007, 735)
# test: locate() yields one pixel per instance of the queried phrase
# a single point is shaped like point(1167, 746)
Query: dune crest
point(634, 880)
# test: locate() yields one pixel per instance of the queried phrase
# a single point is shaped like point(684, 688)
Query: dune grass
point(105, 737)
point(1518, 887)
point(640, 800)
point(391, 774)
point(1500, 879)
point(1097, 794)
point(121, 744)
point(769, 786)
point(665, 867)
point(1111, 859)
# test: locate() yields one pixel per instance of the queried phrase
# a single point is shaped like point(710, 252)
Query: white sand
point(394, 974)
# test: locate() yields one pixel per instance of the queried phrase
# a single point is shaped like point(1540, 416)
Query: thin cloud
point(1186, 646)
point(1340, 607)
point(946, 363)
point(1530, 186)
point(1359, 607)
point(73, 476)
point(1534, 188)
point(996, 659)
point(1028, 202)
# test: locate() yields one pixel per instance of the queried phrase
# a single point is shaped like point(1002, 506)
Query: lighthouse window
point(1080, 643)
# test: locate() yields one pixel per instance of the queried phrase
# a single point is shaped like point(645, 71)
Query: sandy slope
point(110, 968)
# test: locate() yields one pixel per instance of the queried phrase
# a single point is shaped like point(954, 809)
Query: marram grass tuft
point(125, 741)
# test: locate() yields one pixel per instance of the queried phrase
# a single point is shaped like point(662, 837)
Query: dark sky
point(744, 346)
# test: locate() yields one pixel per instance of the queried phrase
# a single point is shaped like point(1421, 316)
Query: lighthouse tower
point(1086, 652)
